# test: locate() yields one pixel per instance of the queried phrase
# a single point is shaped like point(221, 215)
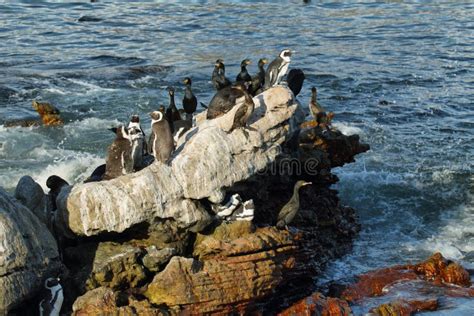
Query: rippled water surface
point(398, 74)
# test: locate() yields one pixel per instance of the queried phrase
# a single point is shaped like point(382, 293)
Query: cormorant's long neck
point(243, 68)
point(188, 92)
point(172, 104)
point(261, 70)
point(313, 98)
point(296, 196)
point(215, 72)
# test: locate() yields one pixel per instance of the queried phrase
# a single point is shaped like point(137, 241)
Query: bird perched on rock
point(288, 212)
point(245, 110)
point(172, 113)
point(223, 211)
point(243, 75)
point(119, 156)
point(224, 100)
point(219, 81)
point(139, 146)
point(161, 139)
point(55, 184)
point(259, 79)
point(53, 299)
point(317, 111)
point(189, 99)
point(277, 69)
point(295, 80)
point(244, 212)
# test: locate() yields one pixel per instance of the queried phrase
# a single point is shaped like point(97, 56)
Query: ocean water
point(399, 74)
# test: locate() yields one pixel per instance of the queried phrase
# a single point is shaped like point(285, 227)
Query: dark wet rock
point(88, 18)
point(28, 253)
point(31, 195)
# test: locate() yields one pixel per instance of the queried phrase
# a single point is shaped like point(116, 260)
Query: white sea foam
point(90, 87)
point(347, 129)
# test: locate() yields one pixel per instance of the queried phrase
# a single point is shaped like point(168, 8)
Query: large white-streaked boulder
point(28, 253)
point(208, 159)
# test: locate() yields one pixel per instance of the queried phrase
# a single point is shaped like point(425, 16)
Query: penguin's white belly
point(282, 73)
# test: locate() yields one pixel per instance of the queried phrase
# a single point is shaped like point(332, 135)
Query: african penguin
point(137, 136)
point(51, 304)
point(277, 69)
point(243, 213)
point(161, 139)
point(119, 156)
point(228, 208)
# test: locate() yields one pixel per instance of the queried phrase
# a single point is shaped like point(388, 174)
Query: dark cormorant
point(243, 75)
point(189, 99)
point(259, 79)
point(288, 212)
point(219, 81)
point(172, 113)
point(245, 110)
point(224, 100)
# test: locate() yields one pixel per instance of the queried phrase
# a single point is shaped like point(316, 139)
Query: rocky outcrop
point(28, 253)
point(405, 307)
point(31, 195)
point(207, 160)
point(318, 304)
point(48, 113)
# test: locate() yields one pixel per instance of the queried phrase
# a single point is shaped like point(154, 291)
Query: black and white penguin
point(245, 110)
point(53, 299)
point(243, 213)
point(243, 75)
point(119, 156)
point(295, 80)
point(227, 209)
point(224, 100)
point(277, 69)
point(139, 146)
point(189, 99)
point(161, 139)
point(219, 81)
point(172, 113)
point(289, 210)
point(259, 79)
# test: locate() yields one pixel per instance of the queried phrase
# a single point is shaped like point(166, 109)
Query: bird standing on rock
point(277, 69)
point(53, 299)
point(259, 79)
point(245, 110)
point(219, 81)
point(243, 75)
point(317, 111)
point(161, 138)
point(224, 100)
point(172, 113)
point(119, 156)
point(139, 146)
point(189, 99)
point(295, 80)
point(288, 212)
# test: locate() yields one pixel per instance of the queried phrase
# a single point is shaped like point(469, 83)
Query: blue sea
point(398, 73)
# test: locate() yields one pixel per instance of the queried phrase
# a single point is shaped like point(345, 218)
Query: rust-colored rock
point(372, 283)
point(104, 301)
point(48, 113)
point(405, 308)
point(439, 269)
point(318, 304)
point(234, 272)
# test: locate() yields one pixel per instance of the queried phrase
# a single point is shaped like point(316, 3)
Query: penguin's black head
point(187, 81)
point(51, 282)
point(286, 55)
point(156, 116)
point(135, 119)
point(55, 182)
point(245, 62)
point(171, 91)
